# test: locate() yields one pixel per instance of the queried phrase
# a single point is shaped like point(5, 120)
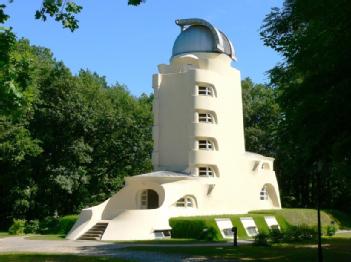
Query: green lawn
point(169, 241)
point(335, 249)
point(343, 235)
point(298, 216)
point(4, 234)
point(26, 257)
point(45, 237)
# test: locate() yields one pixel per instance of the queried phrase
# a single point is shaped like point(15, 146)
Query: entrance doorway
point(149, 199)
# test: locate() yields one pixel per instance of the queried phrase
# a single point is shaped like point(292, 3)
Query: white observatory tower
point(199, 158)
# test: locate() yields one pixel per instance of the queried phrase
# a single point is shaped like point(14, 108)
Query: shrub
point(331, 229)
point(66, 223)
point(62, 225)
point(299, 233)
point(48, 225)
point(276, 236)
point(17, 227)
point(32, 227)
point(194, 228)
point(261, 239)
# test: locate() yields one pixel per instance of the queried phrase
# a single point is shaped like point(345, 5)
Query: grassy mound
point(193, 227)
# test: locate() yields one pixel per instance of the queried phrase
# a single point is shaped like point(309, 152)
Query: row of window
point(205, 144)
point(149, 198)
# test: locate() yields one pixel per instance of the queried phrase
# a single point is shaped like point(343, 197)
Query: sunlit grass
point(32, 257)
point(4, 234)
point(45, 237)
point(334, 249)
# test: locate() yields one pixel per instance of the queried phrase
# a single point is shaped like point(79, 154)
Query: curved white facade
point(201, 166)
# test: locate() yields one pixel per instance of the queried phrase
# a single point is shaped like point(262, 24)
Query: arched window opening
point(149, 199)
point(268, 192)
point(187, 202)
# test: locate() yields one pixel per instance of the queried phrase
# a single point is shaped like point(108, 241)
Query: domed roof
point(197, 35)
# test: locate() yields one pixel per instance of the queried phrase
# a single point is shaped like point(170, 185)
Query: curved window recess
point(264, 193)
point(206, 90)
point(205, 145)
point(206, 117)
point(149, 199)
point(265, 166)
point(186, 201)
point(268, 192)
point(256, 164)
point(205, 171)
point(209, 144)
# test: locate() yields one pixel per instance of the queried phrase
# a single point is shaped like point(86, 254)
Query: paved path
point(97, 248)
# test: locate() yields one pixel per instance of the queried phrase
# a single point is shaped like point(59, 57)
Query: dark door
point(152, 199)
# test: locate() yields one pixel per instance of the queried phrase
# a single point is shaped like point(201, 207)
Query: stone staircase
point(94, 233)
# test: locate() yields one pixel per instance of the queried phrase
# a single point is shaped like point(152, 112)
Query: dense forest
point(67, 141)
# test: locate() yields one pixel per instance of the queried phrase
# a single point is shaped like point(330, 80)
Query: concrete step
point(89, 238)
point(95, 232)
point(92, 234)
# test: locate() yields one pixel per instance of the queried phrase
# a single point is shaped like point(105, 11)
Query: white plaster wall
point(240, 176)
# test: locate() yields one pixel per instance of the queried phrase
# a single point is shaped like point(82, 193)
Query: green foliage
point(48, 225)
point(287, 217)
point(261, 117)
point(32, 227)
point(18, 227)
point(261, 239)
point(288, 235)
point(343, 220)
point(64, 12)
point(331, 230)
point(300, 233)
point(295, 225)
point(313, 86)
point(195, 228)
point(261, 224)
point(237, 223)
point(66, 142)
point(276, 236)
point(65, 224)
point(192, 227)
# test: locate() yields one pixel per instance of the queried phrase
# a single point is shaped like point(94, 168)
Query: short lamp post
point(235, 236)
point(320, 252)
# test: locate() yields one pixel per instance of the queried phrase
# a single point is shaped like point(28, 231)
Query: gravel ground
point(81, 247)
point(96, 248)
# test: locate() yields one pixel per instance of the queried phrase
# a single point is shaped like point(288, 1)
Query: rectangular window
point(205, 145)
point(252, 231)
point(205, 171)
point(205, 118)
point(264, 194)
point(205, 91)
point(180, 202)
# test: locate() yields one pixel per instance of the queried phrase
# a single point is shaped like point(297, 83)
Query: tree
point(65, 12)
point(314, 86)
point(261, 117)
point(69, 143)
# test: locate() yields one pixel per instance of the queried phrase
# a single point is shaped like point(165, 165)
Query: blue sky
point(126, 43)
